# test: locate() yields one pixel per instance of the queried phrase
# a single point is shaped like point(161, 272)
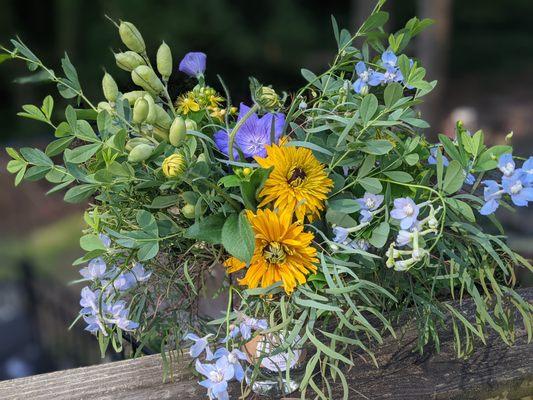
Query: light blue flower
point(95, 269)
point(234, 357)
point(94, 324)
point(392, 72)
point(432, 159)
point(365, 77)
point(527, 167)
point(117, 314)
point(406, 211)
point(518, 187)
point(106, 240)
point(506, 164)
point(369, 202)
point(470, 179)
point(341, 234)
point(193, 64)
point(491, 195)
point(89, 300)
point(248, 324)
point(389, 59)
point(200, 344)
point(218, 375)
point(404, 238)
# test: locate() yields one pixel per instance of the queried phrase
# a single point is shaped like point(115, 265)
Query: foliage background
point(485, 73)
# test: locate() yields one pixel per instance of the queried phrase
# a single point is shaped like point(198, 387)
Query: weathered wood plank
point(493, 371)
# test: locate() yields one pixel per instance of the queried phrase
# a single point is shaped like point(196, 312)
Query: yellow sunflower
point(283, 252)
point(298, 182)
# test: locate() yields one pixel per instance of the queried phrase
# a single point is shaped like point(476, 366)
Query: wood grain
point(494, 371)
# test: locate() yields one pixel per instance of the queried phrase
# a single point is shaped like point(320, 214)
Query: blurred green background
point(481, 51)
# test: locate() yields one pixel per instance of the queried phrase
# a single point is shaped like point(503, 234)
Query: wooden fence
point(494, 371)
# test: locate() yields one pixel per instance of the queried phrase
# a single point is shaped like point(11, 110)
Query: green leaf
point(368, 108)
point(412, 159)
point(148, 250)
point(366, 167)
point(461, 208)
point(375, 21)
point(57, 146)
point(489, 158)
point(81, 154)
point(91, 242)
point(440, 168)
point(48, 106)
point(79, 193)
point(164, 201)
point(393, 92)
point(208, 229)
point(454, 178)
point(399, 176)
point(372, 185)
point(450, 148)
point(229, 181)
point(380, 235)
point(310, 146)
point(310, 77)
point(340, 218)
point(238, 237)
point(85, 132)
point(325, 349)
point(36, 172)
point(147, 222)
point(377, 147)
point(36, 157)
point(347, 206)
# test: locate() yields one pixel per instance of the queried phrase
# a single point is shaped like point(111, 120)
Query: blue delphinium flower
point(432, 159)
point(94, 270)
point(365, 77)
point(234, 357)
point(117, 313)
point(200, 344)
point(253, 135)
point(89, 300)
point(369, 202)
point(519, 187)
point(218, 375)
point(506, 164)
point(392, 72)
point(491, 194)
point(193, 64)
point(406, 211)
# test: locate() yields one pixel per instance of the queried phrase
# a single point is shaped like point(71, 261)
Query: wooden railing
point(493, 371)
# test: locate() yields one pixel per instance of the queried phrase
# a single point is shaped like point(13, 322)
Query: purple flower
point(518, 186)
point(94, 270)
point(491, 194)
point(193, 64)
point(406, 211)
point(234, 357)
point(253, 135)
point(200, 344)
point(506, 164)
point(432, 159)
point(365, 77)
point(218, 375)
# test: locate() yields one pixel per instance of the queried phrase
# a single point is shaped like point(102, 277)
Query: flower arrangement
point(331, 213)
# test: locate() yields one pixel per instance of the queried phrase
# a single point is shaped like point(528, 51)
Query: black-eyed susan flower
point(283, 252)
point(297, 182)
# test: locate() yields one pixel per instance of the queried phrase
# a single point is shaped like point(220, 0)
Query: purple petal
point(193, 64)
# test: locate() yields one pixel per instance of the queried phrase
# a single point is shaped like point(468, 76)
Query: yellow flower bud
point(110, 88)
point(191, 125)
point(145, 77)
point(267, 98)
point(188, 211)
point(247, 172)
point(104, 106)
point(140, 111)
point(131, 37)
point(129, 60)
point(140, 153)
point(164, 61)
point(177, 131)
point(173, 165)
point(133, 96)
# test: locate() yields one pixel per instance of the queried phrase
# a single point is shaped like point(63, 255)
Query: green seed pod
point(133, 96)
point(164, 61)
point(163, 120)
point(152, 112)
point(134, 142)
point(191, 125)
point(129, 60)
point(188, 211)
point(131, 37)
point(140, 111)
point(177, 132)
point(104, 106)
point(140, 153)
point(110, 88)
point(160, 134)
point(145, 77)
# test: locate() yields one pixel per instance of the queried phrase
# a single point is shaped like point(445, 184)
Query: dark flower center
point(274, 253)
point(297, 177)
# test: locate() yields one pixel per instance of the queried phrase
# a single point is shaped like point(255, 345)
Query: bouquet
point(328, 212)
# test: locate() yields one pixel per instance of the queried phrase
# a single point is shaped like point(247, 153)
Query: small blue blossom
point(491, 194)
point(389, 59)
point(519, 187)
point(248, 324)
point(365, 77)
point(94, 324)
point(117, 314)
point(470, 179)
point(404, 238)
point(432, 159)
point(341, 234)
point(406, 211)
point(527, 167)
point(218, 375)
point(369, 202)
point(193, 64)
point(234, 357)
point(106, 240)
point(506, 164)
point(200, 344)
point(94, 270)
point(89, 300)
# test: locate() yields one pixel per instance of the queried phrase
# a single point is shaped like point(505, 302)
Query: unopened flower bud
point(145, 77)
point(129, 60)
point(140, 111)
point(164, 61)
point(177, 131)
point(131, 37)
point(140, 153)
point(173, 165)
point(110, 88)
point(433, 223)
point(267, 98)
point(302, 105)
point(247, 172)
